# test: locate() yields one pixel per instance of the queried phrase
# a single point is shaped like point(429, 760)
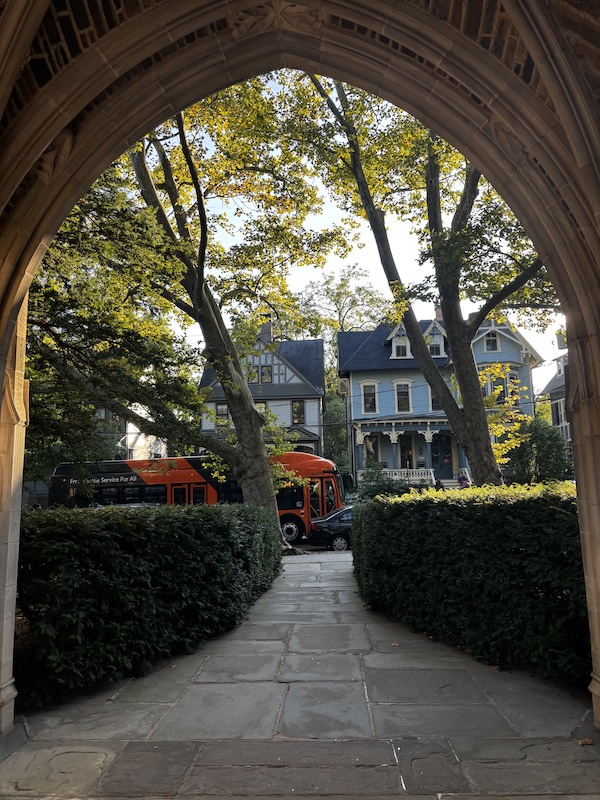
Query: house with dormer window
point(394, 417)
point(286, 377)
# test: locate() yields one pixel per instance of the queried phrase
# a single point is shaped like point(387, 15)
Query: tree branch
point(517, 283)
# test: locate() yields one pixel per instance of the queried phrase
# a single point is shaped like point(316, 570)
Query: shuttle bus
point(188, 481)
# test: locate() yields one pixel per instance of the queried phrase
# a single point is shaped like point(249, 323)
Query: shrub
point(108, 592)
point(496, 570)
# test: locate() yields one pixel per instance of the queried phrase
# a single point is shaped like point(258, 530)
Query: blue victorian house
point(394, 417)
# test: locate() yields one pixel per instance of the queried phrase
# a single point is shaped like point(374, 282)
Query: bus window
point(180, 495)
point(157, 495)
point(290, 497)
point(330, 501)
point(107, 495)
point(229, 492)
point(198, 495)
point(133, 494)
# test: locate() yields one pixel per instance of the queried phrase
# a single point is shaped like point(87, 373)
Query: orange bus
point(187, 481)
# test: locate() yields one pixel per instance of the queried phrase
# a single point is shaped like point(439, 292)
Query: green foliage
point(373, 482)
point(108, 592)
point(496, 570)
point(335, 435)
point(542, 456)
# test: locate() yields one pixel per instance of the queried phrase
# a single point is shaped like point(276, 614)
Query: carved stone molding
point(277, 13)
point(55, 156)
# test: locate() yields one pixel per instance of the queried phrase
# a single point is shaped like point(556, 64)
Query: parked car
point(333, 530)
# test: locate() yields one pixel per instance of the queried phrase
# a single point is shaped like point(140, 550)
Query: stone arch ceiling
point(468, 58)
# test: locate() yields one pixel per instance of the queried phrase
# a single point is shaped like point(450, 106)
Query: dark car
point(333, 530)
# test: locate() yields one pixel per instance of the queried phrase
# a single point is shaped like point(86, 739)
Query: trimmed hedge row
point(108, 592)
point(496, 570)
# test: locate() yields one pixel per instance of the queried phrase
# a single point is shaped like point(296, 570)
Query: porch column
point(13, 419)
point(583, 406)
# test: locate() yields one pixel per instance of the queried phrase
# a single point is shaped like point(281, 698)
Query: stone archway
point(515, 86)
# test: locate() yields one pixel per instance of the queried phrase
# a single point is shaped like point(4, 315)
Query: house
point(555, 390)
point(395, 419)
point(286, 377)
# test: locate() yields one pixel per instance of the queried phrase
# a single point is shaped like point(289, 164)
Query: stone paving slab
point(43, 769)
point(321, 667)
point(143, 768)
point(287, 782)
point(303, 754)
point(423, 686)
point(429, 765)
point(222, 668)
point(83, 721)
point(325, 711)
point(223, 711)
point(438, 720)
point(329, 639)
point(238, 645)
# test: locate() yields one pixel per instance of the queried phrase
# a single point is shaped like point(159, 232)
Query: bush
point(108, 592)
point(496, 570)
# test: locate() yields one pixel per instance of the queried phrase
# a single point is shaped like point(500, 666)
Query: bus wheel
point(292, 530)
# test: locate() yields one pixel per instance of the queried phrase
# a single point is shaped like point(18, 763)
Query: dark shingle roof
point(555, 383)
point(306, 357)
point(370, 350)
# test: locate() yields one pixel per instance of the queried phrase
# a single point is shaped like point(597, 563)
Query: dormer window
point(560, 367)
point(401, 345)
point(492, 343)
point(436, 343)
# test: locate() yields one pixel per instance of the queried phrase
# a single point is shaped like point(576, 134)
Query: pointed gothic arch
point(513, 85)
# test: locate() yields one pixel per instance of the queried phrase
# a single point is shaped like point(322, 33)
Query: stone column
point(583, 407)
point(13, 419)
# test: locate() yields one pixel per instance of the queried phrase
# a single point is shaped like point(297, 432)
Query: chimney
point(438, 313)
point(266, 331)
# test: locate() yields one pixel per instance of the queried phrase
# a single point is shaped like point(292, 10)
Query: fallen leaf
point(584, 742)
point(395, 644)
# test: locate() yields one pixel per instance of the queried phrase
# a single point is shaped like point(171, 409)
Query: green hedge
point(496, 570)
point(108, 592)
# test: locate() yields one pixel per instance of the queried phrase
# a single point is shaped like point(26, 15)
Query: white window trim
point(362, 385)
point(403, 382)
point(498, 342)
point(395, 342)
point(428, 336)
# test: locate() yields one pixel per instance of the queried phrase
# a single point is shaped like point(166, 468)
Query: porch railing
point(413, 476)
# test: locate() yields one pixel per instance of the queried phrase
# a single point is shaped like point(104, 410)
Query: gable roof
point(305, 357)
point(371, 350)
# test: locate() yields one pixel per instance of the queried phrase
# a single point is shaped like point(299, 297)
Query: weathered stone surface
point(338, 638)
point(299, 754)
point(41, 769)
point(429, 765)
point(563, 751)
point(438, 720)
point(223, 711)
point(250, 632)
point(325, 711)
point(423, 686)
point(222, 668)
point(144, 768)
point(288, 782)
point(83, 721)
point(321, 667)
point(531, 777)
point(236, 646)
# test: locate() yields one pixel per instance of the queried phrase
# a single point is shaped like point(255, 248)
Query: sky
point(405, 246)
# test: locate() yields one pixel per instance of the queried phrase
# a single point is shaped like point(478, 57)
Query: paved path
point(312, 696)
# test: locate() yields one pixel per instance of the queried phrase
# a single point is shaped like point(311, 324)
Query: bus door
point(179, 495)
point(329, 496)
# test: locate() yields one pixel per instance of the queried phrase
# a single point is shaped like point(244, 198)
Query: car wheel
point(292, 530)
point(339, 542)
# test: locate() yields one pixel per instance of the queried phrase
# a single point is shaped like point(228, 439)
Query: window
point(297, 412)
point(401, 348)
point(222, 411)
point(436, 343)
point(492, 344)
point(369, 398)
point(253, 374)
point(402, 397)
point(560, 367)
point(434, 404)
point(266, 374)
